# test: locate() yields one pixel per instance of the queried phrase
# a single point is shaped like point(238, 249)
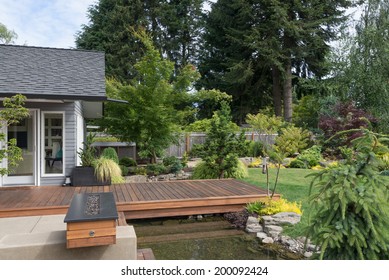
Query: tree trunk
point(277, 102)
point(287, 89)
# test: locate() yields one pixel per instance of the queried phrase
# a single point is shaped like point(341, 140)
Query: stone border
point(269, 230)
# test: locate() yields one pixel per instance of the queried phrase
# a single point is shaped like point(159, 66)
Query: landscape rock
point(287, 218)
point(272, 228)
point(308, 254)
point(261, 235)
point(268, 240)
point(252, 221)
point(254, 228)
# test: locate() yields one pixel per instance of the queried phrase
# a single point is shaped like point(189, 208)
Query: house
point(63, 88)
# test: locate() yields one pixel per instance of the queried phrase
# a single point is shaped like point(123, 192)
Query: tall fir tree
point(174, 27)
point(269, 38)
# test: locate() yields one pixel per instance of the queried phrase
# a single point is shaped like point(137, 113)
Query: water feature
point(212, 238)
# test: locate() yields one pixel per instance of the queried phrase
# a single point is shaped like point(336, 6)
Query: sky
point(45, 23)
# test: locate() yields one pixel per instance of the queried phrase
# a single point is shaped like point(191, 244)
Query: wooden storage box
point(91, 220)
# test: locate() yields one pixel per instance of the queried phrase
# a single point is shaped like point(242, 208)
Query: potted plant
point(84, 175)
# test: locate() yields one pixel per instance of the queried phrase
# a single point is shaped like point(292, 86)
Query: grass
point(292, 185)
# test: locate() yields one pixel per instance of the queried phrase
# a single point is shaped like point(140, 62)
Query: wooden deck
point(137, 200)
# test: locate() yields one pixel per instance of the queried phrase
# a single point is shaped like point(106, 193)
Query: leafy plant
point(124, 169)
point(310, 157)
point(127, 161)
point(173, 164)
point(12, 113)
point(350, 204)
point(111, 154)
point(265, 124)
point(255, 149)
point(156, 169)
point(273, 206)
point(292, 140)
point(87, 154)
point(141, 171)
point(202, 171)
point(107, 170)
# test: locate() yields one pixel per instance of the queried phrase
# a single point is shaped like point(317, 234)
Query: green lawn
point(292, 185)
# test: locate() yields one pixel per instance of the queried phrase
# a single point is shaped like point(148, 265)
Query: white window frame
point(43, 155)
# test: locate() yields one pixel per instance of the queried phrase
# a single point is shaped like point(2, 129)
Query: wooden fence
point(187, 141)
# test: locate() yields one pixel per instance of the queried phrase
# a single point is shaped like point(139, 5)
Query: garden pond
point(209, 238)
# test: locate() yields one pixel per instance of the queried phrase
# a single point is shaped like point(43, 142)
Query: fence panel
point(187, 141)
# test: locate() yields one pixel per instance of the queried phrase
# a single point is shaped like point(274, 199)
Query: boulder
point(286, 218)
point(261, 235)
point(268, 240)
point(254, 228)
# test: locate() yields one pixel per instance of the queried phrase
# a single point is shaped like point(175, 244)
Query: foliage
point(384, 161)
point(127, 161)
point(306, 112)
point(87, 154)
point(310, 157)
point(256, 163)
point(202, 171)
point(173, 164)
point(222, 146)
point(174, 27)
point(150, 119)
point(360, 68)
point(140, 171)
point(7, 36)
point(106, 139)
point(185, 160)
point(254, 49)
point(107, 170)
point(205, 124)
point(350, 204)
point(297, 163)
point(111, 154)
point(345, 116)
point(273, 206)
point(292, 140)
point(255, 149)
point(265, 124)
point(12, 113)
point(156, 169)
point(124, 170)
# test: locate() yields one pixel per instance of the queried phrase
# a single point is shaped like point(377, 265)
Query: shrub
point(107, 170)
point(350, 205)
point(255, 149)
point(296, 163)
point(272, 206)
point(127, 161)
point(256, 163)
point(202, 171)
point(156, 169)
point(310, 157)
point(140, 171)
point(111, 154)
point(124, 170)
point(172, 164)
point(87, 154)
point(292, 140)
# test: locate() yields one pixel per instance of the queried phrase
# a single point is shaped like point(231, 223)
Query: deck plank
point(138, 200)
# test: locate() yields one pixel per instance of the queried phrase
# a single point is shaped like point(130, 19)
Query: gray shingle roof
point(52, 73)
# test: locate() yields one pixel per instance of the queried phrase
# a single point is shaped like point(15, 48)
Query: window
point(53, 143)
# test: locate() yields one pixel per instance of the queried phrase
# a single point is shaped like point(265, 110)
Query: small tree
point(222, 146)
point(12, 113)
point(350, 202)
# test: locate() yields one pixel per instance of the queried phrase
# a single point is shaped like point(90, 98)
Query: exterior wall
point(70, 135)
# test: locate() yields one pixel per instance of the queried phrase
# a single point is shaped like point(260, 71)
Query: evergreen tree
point(174, 27)
point(261, 45)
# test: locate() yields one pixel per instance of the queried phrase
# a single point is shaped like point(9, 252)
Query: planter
point(85, 176)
